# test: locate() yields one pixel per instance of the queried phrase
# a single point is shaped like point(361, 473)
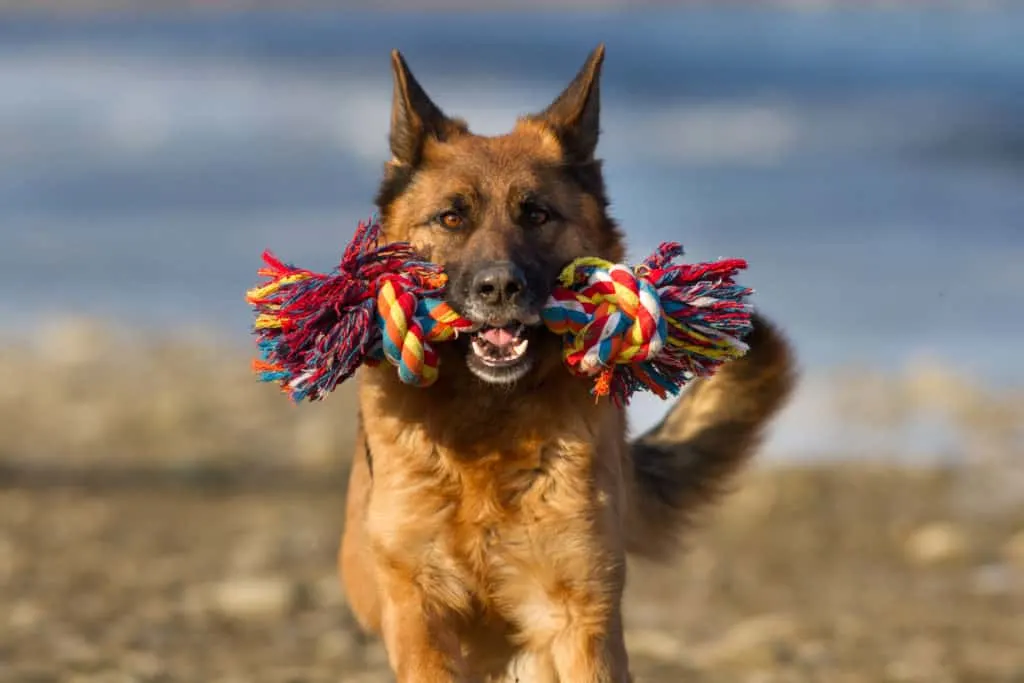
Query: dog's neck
point(463, 414)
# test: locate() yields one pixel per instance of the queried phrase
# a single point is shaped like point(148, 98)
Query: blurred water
point(870, 165)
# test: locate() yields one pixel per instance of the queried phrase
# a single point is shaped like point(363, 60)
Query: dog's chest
point(511, 519)
point(484, 518)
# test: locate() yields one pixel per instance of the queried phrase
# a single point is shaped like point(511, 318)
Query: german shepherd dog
point(489, 516)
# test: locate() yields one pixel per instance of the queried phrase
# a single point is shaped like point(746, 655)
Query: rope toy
point(653, 327)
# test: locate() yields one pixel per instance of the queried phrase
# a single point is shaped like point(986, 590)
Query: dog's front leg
point(421, 644)
point(574, 631)
point(592, 649)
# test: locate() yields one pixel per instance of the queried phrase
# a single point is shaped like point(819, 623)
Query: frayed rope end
point(654, 327)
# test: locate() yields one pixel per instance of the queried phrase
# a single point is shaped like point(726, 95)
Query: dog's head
point(503, 214)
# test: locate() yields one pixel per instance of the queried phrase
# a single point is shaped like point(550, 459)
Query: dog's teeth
point(492, 354)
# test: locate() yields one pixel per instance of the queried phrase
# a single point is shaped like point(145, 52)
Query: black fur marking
point(396, 181)
point(369, 455)
point(366, 441)
point(589, 178)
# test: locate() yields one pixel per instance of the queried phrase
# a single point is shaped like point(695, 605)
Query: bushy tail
point(684, 462)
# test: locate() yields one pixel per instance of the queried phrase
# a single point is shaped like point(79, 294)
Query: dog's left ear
point(414, 116)
point(575, 114)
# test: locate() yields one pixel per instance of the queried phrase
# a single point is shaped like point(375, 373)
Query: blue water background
point(868, 164)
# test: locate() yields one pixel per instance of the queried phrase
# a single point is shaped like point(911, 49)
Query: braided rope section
point(412, 322)
point(380, 303)
point(654, 327)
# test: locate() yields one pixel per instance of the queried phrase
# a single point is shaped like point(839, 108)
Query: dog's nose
point(498, 283)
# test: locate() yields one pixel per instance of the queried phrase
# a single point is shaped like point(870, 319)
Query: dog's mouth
point(498, 347)
point(501, 352)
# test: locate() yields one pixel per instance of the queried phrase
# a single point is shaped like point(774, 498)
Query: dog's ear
point(414, 116)
point(575, 114)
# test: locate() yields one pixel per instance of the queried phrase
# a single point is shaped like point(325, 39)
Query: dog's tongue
point(499, 336)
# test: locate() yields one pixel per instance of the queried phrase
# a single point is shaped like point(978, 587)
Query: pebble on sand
point(749, 644)
point(254, 598)
point(655, 644)
point(1013, 549)
point(937, 543)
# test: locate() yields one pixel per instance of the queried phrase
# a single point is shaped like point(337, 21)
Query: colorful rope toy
point(653, 327)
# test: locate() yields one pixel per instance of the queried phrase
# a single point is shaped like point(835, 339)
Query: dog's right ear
point(414, 116)
point(575, 114)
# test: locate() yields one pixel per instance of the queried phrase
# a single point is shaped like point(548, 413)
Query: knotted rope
point(410, 325)
point(380, 303)
point(652, 327)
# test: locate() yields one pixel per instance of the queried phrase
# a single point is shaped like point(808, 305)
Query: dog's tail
point(685, 462)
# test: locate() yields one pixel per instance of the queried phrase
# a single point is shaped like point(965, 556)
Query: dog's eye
point(451, 220)
point(536, 216)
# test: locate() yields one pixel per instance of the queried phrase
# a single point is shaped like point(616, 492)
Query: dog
point(490, 516)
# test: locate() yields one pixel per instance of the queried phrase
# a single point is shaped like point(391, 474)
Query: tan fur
point(491, 537)
point(473, 166)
